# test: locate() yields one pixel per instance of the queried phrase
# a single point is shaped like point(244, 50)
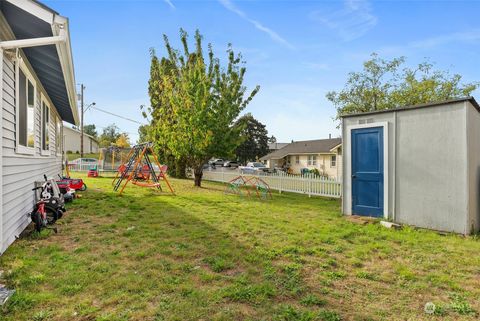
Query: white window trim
point(58, 135)
point(312, 160)
point(336, 160)
point(43, 100)
point(20, 149)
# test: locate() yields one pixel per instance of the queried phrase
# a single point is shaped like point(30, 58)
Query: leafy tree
point(254, 137)
point(272, 139)
point(90, 130)
point(109, 135)
point(143, 134)
point(123, 141)
point(385, 84)
point(195, 101)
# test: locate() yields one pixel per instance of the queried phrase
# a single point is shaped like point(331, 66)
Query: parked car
point(231, 164)
point(216, 162)
point(254, 167)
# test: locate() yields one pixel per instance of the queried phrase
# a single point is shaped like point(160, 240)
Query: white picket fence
point(306, 184)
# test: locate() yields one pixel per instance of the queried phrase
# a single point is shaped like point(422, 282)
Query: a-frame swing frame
point(135, 156)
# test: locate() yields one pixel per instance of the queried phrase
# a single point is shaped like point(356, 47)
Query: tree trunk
point(198, 172)
point(180, 169)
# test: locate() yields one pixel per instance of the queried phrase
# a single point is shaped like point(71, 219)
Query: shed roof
point(305, 147)
point(432, 104)
point(52, 64)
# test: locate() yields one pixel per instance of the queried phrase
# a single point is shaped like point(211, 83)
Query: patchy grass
point(203, 255)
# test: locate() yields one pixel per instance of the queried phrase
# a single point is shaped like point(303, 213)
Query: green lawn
point(203, 255)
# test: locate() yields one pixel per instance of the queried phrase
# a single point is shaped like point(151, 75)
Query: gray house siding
point(19, 172)
point(433, 169)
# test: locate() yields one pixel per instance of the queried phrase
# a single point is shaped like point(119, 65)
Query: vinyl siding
point(19, 172)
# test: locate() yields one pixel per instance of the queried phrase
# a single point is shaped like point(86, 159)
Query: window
point(312, 160)
point(297, 159)
point(45, 127)
point(58, 136)
point(26, 112)
point(333, 161)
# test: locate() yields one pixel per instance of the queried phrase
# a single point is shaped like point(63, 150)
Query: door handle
point(354, 176)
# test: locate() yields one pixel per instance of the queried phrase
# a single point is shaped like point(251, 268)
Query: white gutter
point(33, 42)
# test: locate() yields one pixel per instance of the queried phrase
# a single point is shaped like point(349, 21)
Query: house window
point(333, 161)
point(26, 112)
point(312, 160)
point(45, 127)
point(297, 159)
point(58, 136)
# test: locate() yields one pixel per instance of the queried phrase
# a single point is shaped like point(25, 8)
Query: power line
point(107, 112)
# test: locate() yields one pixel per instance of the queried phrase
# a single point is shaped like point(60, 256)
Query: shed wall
point(473, 151)
point(431, 168)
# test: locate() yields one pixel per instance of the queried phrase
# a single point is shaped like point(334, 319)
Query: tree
point(384, 84)
point(143, 134)
point(109, 136)
point(254, 137)
point(194, 103)
point(90, 130)
point(123, 141)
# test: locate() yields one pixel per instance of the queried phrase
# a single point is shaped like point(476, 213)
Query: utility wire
point(107, 112)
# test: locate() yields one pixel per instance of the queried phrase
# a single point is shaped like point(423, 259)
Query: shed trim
point(413, 107)
point(385, 162)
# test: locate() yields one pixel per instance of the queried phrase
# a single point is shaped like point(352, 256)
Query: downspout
point(17, 44)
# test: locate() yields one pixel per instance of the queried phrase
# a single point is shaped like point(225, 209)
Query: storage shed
point(417, 165)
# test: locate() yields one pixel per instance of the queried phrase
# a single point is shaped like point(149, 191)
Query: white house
point(72, 141)
point(37, 94)
point(325, 155)
point(415, 165)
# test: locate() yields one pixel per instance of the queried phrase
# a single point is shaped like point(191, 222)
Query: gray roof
point(426, 105)
point(317, 146)
point(275, 146)
point(45, 60)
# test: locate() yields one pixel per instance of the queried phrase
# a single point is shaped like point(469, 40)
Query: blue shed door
point(367, 171)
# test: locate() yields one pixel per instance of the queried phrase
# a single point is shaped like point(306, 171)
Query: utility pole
point(82, 87)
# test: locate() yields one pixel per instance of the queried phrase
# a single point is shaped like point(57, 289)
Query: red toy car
point(74, 183)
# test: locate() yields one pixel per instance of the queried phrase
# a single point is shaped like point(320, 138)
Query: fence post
point(310, 180)
point(281, 180)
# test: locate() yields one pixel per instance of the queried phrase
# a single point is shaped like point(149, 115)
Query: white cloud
point(229, 5)
point(463, 37)
point(351, 22)
point(471, 36)
point(170, 3)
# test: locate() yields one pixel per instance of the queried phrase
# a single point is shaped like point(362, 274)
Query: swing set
point(140, 171)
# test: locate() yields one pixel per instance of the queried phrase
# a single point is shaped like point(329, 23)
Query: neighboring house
point(37, 92)
point(416, 165)
point(276, 146)
point(72, 141)
point(322, 154)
